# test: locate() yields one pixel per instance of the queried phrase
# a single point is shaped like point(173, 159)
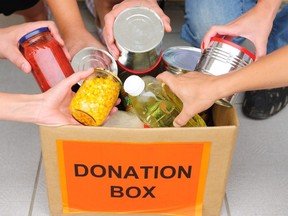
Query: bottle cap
point(134, 85)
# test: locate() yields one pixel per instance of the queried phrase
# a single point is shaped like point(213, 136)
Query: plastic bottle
point(47, 58)
point(154, 103)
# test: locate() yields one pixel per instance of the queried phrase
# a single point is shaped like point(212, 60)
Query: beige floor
point(258, 181)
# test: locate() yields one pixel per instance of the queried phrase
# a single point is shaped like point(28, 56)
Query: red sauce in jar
point(46, 57)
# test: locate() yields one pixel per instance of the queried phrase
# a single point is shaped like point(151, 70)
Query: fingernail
point(25, 67)
point(176, 124)
point(202, 45)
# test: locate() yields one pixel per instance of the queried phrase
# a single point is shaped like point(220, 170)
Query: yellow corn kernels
point(95, 98)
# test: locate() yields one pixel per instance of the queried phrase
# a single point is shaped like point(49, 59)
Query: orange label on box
point(127, 177)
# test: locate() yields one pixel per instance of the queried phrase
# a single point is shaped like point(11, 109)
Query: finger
point(165, 19)
point(183, 117)
point(108, 28)
point(18, 59)
point(167, 78)
point(76, 77)
point(260, 51)
point(212, 32)
point(55, 33)
point(113, 49)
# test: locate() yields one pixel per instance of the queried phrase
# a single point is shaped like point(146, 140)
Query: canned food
point(138, 32)
point(91, 57)
point(46, 57)
point(223, 56)
point(181, 59)
point(96, 97)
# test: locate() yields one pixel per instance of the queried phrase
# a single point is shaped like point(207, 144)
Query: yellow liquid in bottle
point(158, 106)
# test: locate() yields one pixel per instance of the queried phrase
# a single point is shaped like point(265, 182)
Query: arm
point(199, 91)
point(111, 16)
point(10, 36)
point(71, 25)
point(255, 25)
point(51, 107)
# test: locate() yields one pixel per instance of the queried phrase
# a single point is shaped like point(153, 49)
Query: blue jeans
point(200, 15)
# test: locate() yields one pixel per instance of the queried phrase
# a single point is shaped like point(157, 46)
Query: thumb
point(166, 77)
point(260, 51)
point(183, 117)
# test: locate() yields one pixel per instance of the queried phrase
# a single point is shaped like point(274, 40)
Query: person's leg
point(37, 12)
point(265, 103)
point(200, 15)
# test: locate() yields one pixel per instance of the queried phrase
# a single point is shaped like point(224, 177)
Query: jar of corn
point(96, 97)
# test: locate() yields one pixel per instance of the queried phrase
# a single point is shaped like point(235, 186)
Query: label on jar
point(53, 74)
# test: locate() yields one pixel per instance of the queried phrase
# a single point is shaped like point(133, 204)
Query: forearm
point(19, 107)
point(269, 72)
point(67, 16)
point(269, 8)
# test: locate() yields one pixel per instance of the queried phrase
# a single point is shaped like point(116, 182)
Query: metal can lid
point(138, 29)
point(91, 57)
point(33, 33)
point(181, 59)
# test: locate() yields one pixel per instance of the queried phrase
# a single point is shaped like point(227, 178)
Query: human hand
point(117, 9)
point(10, 36)
point(55, 102)
point(254, 25)
point(194, 89)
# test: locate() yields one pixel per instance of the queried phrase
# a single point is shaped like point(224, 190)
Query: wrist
point(20, 107)
point(269, 8)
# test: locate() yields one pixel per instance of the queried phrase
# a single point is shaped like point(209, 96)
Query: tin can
point(95, 98)
point(181, 59)
point(46, 57)
point(138, 32)
point(92, 57)
point(223, 56)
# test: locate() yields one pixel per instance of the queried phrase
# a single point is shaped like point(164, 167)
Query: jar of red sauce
point(46, 57)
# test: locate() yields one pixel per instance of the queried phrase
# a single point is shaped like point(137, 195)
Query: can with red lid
point(46, 57)
point(223, 56)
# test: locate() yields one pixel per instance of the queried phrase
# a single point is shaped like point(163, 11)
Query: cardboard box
point(156, 171)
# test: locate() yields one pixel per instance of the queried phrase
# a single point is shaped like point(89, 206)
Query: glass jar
point(96, 97)
point(46, 57)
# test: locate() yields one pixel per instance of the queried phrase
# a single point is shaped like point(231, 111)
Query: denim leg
point(200, 15)
point(279, 34)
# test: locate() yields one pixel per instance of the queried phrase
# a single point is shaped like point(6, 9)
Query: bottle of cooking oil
point(154, 103)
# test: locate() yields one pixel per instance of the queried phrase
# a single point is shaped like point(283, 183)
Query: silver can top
point(92, 57)
point(138, 29)
point(181, 59)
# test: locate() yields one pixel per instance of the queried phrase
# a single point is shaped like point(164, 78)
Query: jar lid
point(138, 29)
point(181, 59)
point(33, 33)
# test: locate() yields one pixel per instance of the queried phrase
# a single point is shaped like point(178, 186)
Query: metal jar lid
point(181, 59)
